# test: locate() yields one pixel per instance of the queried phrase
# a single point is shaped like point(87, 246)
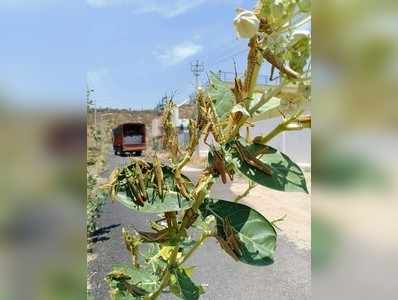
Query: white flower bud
point(246, 24)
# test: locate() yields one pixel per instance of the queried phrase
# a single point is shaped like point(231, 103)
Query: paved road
point(288, 277)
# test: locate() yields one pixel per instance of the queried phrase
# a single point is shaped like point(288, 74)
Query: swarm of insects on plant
point(224, 112)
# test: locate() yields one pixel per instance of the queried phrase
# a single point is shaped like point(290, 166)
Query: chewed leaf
point(169, 200)
point(172, 201)
point(129, 283)
point(257, 236)
point(221, 95)
point(286, 175)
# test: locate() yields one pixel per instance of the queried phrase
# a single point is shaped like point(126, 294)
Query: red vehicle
point(129, 138)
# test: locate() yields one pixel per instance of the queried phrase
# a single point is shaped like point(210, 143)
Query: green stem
point(277, 130)
point(245, 193)
point(194, 247)
point(166, 275)
point(266, 97)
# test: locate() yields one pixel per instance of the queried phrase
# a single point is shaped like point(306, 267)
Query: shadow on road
point(100, 234)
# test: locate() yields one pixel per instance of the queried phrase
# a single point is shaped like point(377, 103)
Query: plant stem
point(245, 193)
point(166, 275)
point(163, 284)
point(277, 130)
point(254, 61)
point(195, 247)
point(266, 97)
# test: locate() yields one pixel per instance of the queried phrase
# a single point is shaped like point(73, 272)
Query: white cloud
point(168, 9)
point(178, 53)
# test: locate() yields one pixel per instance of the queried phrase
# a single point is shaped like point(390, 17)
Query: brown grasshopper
point(219, 165)
point(189, 218)
point(230, 242)
point(133, 186)
point(158, 177)
point(181, 185)
point(170, 140)
point(122, 283)
point(251, 159)
point(141, 180)
point(155, 237)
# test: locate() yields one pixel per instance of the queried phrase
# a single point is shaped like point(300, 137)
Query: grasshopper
point(140, 178)
point(251, 159)
point(219, 164)
point(170, 140)
point(230, 242)
point(132, 242)
point(123, 284)
point(189, 218)
point(158, 177)
point(181, 185)
point(133, 187)
point(155, 237)
point(193, 136)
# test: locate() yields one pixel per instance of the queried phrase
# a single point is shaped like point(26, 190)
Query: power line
point(225, 58)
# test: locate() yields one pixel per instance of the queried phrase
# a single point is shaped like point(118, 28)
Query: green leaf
point(145, 276)
point(268, 110)
point(184, 287)
point(255, 232)
point(286, 175)
point(221, 95)
point(135, 284)
point(172, 200)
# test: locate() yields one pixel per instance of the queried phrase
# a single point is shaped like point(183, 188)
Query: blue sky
point(131, 52)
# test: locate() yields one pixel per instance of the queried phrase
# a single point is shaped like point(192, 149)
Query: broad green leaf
point(172, 201)
point(174, 287)
point(286, 175)
point(268, 110)
point(184, 287)
point(255, 232)
point(143, 281)
point(145, 276)
point(221, 95)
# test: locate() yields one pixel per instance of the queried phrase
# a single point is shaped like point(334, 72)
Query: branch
point(246, 192)
point(195, 247)
point(267, 96)
point(278, 129)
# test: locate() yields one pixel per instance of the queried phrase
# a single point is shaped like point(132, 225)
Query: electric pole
point(196, 69)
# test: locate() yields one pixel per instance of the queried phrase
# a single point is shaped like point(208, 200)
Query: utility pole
point(197, 68)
